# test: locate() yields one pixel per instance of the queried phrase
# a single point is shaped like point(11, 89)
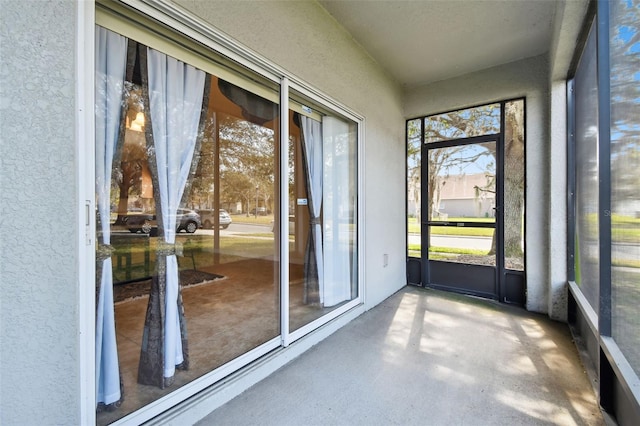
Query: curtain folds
point(312, 160)
point(111, 58)
point(175, 95)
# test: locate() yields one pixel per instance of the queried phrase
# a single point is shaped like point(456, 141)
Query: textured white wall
point(305, 40)
point(557, 160)
point(568, 24)
point(527, 78)
point(39, 349)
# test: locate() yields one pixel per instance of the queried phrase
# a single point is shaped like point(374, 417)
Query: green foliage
point(247, 163)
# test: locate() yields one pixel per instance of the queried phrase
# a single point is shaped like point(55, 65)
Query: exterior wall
point(557, 161)
point(320, 52)
point(470, 207)
point(568, 23)
point(39, 327)
point(526, 78)
point(457, 197)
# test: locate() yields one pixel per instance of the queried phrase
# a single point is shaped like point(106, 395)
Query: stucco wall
point(567, 26)
point(39, 367)
point(526, 78)
point(305, 40)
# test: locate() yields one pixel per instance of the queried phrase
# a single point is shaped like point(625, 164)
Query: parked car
point(208, 218)
point(187, 220)
point(262, 211)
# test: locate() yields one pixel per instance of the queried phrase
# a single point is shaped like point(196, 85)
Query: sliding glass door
point(191, 165)
point(322, 212)
point(179, 148)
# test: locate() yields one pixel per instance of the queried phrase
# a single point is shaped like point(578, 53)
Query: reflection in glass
point(587, 241)
point(625, 177)
point(462, 188)
point(466, 123)
point(413, 188)
point(323, 193)
point(192, 198)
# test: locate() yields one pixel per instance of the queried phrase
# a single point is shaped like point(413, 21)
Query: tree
point(625, 106)
point(238, 186)
point(441, 161)
point(247, 161)
point(514, 175)
point(444, 161)
point(202, 184)
point(244, 160)
point(456, 125)
point(128, 175)
point(131, 157)
point(413, 165)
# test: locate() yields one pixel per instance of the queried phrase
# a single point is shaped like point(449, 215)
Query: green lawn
point(436, 253)
point(624, 229)
point(243, 218)
point(197, 249)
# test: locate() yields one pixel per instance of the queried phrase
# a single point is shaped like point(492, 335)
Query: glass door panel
point(461, 205)
point(514, 173)
point(413, 188)
point(322, 212)
point(176, 239)
point(462, 244)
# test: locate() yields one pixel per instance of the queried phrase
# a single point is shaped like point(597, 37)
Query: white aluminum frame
point(168, 401)
point(192, 26)
point(86, 231)
point(284, 212)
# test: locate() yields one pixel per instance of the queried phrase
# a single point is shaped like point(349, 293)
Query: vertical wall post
point(604, 168)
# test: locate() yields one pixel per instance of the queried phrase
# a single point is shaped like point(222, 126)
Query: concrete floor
point(425, 357)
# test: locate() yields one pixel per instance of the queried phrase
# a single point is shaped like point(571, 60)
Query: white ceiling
point(423, 41)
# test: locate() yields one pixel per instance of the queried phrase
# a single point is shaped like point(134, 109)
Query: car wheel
point(224, 226)
point(191, 227)
point(207, 224)
point(134, 231)
point(146, 227)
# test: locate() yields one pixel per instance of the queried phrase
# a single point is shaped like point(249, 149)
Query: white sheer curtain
point(336, 213)
point(312, 137)
point(111, 59)
point(175, 98)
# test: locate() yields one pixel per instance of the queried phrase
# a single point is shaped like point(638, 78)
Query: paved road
point(620, 252)
point(239, 228)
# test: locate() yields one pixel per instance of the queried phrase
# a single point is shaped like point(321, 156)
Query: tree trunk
point(514, 177)
point(514, 173)
point(131, 174)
